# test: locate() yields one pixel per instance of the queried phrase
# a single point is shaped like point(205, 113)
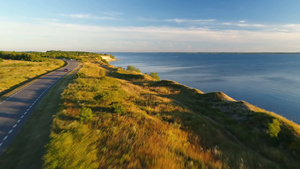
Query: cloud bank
point(53, 34)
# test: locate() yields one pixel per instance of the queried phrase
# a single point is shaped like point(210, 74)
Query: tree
point(85, 114)
point(132, 68)
point(154, 76)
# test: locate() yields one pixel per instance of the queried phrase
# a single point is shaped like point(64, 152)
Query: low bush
point(102, 72)
point(104, 97)
point(85, 115)
point(104, 61)
point(141, 123)
point(118, 108)
point(132, 68)
point(81, 75)
point(274, 128)
point(154, 76)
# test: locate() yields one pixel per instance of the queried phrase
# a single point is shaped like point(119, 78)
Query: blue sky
point(151, 25)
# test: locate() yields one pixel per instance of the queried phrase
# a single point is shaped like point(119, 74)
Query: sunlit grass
point(14, 72)
point(133, 138)
point(135, 121)
point(28, 147)
point(253, 128)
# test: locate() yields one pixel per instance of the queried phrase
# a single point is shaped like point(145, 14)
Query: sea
point(270, 81)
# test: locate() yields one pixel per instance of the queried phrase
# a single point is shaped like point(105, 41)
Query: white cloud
point(250, 25)
point(190, 21)
point(47, 19)
point(78, 16)
point(180, 20)
point(113, 13)
point(227, 23)
point(56, 35)
point(243, 24)
point(212, 23)
point(294, 27)
point(88, 16)
point(81, 16)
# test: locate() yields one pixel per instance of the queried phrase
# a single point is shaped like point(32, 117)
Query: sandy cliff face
point(108, 58)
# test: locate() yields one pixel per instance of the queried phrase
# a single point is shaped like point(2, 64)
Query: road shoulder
point(28, 147)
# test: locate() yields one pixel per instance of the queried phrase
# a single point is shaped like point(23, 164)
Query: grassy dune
point(14, 72)
point(115, 118)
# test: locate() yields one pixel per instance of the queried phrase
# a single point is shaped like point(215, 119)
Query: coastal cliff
point(108, 58)
point(125, 119)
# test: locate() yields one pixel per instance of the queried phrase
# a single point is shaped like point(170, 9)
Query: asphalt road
point(16, 109)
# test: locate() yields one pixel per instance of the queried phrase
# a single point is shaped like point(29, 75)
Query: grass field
point(125, 119)
point(114, 118)
point(14, 72)
point(28, 148)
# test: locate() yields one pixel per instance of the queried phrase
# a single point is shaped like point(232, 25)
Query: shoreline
point(109, 58)
point(241, 91)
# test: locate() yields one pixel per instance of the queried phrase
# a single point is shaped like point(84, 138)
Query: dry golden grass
point(142, 123)
point(246, 124)
point(295, 126)
point(14, 72)
point(135, 139)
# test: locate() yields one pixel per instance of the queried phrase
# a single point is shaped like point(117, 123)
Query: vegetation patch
point(154, 75)
point(115, 118)
point(85, 115)
point(140, 122)
point(132, 68)
point(28, 147)
point(15, 72)
point(120, 133)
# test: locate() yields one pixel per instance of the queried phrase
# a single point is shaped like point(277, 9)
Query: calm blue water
point(269, 81)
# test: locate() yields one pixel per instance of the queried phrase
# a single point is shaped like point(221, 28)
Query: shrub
point(274, 128)
point(102, 72)
point(119, 69)
point(132, 68)
point(104, 97)
point(81, 75)
point(154, 76)
point(104, 61)
point(1, 60)
point(85, 115)
point(118, 108)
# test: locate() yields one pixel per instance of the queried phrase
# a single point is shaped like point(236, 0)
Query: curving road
point(16, 109)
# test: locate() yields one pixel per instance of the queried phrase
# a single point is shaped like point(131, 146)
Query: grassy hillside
point(115, 118)
point(14, 72)
point(20, 67)
point(28, 147)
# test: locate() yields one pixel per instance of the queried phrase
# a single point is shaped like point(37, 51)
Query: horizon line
point(231, 52)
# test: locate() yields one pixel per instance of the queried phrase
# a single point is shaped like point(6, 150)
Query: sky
point(150, 25)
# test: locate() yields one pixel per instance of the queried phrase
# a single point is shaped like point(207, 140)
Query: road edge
point(6, 93)
point(28, 146)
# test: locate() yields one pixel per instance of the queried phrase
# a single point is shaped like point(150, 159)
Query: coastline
point(109, 58)
point(261, 80)
point(128, 107)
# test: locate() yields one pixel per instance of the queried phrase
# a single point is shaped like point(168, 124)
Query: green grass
point(120, 133)
point(28, 147)
point(132, 113)
point(261, 138)
point(14, 73)
point(115, 118)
